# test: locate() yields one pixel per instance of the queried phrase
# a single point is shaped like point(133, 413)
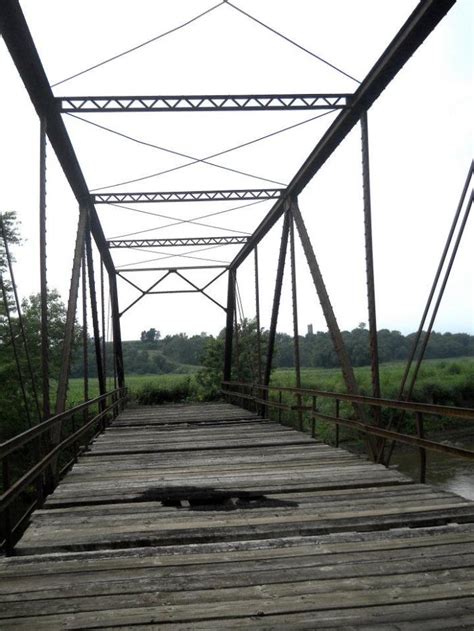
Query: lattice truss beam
point(187, 196)
point(171, 242)
point(203, 103)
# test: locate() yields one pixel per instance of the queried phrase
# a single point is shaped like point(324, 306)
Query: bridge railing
point(305, 407)
point(33, 462)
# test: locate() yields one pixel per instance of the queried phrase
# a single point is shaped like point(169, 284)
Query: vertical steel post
point(369, 259)
point(276, 300)
point(229, 327)
point(102, 311)
point(43, 275)
point(70, 318)
point(296, 341)
point(85, 340)
point(257, 319)
point(95, 318)
point(117, 334)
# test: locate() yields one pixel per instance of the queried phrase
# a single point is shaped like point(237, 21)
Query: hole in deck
point(207, 499)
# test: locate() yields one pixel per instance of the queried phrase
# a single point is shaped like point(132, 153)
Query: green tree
point(244, 359)
point(152, 335)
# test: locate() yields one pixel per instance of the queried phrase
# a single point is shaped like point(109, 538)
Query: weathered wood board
point(207, 517)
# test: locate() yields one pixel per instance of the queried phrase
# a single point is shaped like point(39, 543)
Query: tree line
point(153, 354)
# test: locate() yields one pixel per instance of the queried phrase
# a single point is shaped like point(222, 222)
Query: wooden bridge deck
point(206, 517)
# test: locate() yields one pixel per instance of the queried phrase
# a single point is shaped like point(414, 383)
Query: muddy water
point(449, 473)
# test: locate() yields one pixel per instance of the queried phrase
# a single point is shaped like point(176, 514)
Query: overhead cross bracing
point(187, 196)
point(203, 103)
point(181, 241)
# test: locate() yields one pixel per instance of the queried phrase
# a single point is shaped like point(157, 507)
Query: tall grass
point(446, 382)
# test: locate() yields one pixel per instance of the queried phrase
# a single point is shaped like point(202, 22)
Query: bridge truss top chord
point(171, 242)
point(203, 103)
point(187, 196)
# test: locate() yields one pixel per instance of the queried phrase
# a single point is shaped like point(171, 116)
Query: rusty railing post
point(422, 451)
point(313, 417)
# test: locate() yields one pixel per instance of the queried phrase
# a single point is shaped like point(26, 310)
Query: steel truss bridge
point(252, 458)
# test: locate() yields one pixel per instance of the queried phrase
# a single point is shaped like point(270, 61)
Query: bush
point(152, 393)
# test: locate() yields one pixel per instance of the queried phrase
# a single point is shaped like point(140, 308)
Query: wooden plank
point(208, 517)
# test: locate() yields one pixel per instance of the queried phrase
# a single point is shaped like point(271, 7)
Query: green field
point(442, 381)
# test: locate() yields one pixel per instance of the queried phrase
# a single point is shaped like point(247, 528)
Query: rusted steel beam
point(329, 315)
point(203, 103)
point(294, 297)
point(409, 406)
point(198, 290)
point(63, 379)
point(408, 394)
point(94, 312)
point(257, 318)
point(401, 393)
point(418, 26)
point(186, 196)
point(102, 313)
point(117, 334)
point(176, 241)
point(229, 327)
point(17, 37)
point(143, 293)
point(46, 405)
point(276, 299)
point(85, 336)
point(369, 260)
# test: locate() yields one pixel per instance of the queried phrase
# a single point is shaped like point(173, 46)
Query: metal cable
point(175, 153)
point(134, 48)
point(176, 223)
point(187, 256)
point(275, 32)
point(214, 155)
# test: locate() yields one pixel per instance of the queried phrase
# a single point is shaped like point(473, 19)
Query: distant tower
point(310, 329)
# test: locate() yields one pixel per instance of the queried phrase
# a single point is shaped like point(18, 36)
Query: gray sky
point(420, 142)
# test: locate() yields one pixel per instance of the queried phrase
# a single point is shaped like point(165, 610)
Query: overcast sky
point(420, 133)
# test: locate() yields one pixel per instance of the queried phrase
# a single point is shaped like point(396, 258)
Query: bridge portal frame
point(412, 34)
